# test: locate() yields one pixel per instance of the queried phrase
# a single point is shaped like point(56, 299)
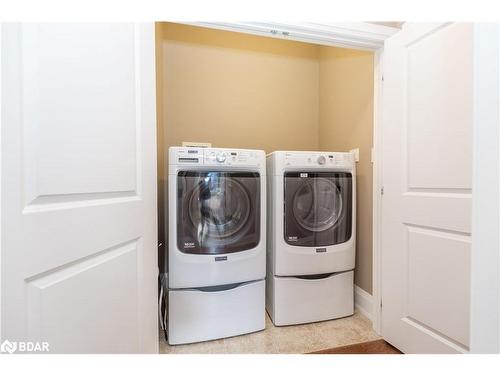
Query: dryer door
point(218, 212)
point(318, 208)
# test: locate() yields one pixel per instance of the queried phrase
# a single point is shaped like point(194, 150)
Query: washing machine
point(310, 236)
point(217, 243)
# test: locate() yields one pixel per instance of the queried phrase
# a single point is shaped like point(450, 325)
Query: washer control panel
point(216, 156)
point(232, 157)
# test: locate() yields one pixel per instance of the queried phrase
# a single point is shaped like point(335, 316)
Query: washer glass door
point(218, 212)
point(318, 208)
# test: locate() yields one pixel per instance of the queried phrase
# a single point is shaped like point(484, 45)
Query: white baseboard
point(363, 302)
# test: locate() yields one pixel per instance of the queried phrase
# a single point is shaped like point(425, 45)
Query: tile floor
point(285, 340)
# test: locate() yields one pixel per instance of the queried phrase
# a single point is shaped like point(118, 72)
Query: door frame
point(485, 254)
point(377, 190)
point(1, 225)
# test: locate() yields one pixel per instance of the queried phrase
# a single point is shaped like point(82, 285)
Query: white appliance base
point(294, 300)
point(195, 315)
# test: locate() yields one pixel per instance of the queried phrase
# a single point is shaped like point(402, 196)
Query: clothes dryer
point(311, 236)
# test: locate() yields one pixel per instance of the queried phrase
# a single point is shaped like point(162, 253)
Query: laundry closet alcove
point(237, 90)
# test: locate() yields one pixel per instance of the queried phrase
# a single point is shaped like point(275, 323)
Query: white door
point(79, 263)
point(427, 176)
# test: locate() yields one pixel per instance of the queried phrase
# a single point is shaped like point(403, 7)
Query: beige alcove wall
point(244, 91)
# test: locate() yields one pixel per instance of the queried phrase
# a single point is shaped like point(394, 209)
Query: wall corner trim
point(363, 302)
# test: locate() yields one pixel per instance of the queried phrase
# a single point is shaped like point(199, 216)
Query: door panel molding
point(428, 331)
point(79, 247)
point(58, 274)
point(426, 209)
point(66, 103)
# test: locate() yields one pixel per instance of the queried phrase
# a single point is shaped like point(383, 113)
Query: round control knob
point(221, 158)
point(321, 160)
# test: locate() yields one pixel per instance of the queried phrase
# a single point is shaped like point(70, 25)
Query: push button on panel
point(321, 160)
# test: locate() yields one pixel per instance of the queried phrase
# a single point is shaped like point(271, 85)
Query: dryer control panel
point(319, 159)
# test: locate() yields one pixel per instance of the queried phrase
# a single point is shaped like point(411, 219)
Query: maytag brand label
point(303, 175)
point(292, 238)
point(218, 259)
point(188, 245)
point(321, 250)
